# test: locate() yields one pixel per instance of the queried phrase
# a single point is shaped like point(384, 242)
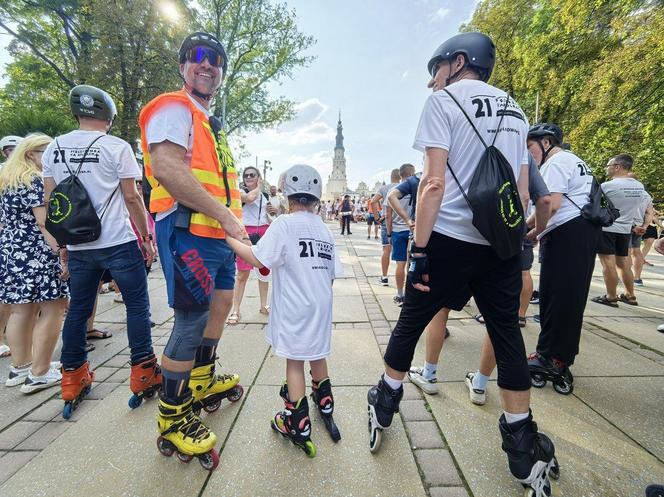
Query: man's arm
point(430, 194)
point(539, 219)
point(393, 199)
point(134, 202)
point(171, 171)
point(375, 203)
point(388, 220)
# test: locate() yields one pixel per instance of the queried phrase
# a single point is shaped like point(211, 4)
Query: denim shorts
point(193, 266)
point(383, 234)
point(400, 245)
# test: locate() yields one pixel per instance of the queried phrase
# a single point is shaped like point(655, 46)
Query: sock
point(384, 276)
point(205, 354)
point(175, 386)
point(515, 418)
point(480, 381)
point(400, 292)
point(429, 372)
point(392, 383)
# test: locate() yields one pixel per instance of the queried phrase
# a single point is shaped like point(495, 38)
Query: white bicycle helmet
point(10, 141)
point(301, 180)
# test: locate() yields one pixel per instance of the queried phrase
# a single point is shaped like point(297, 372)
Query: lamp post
point(266, 168)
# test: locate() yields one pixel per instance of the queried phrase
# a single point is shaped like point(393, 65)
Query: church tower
point(336, 183)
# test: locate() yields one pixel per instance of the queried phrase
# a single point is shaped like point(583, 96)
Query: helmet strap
point(452, 77)
point(545, 152)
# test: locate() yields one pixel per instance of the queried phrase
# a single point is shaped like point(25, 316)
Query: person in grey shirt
point(379, 202)
point(628, 196)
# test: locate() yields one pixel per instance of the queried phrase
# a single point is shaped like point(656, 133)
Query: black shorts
point(527, 256)
point(651, 232)
point(635, 240)
point(614, 244)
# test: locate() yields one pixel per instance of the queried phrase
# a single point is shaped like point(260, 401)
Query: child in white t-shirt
point(299, 250)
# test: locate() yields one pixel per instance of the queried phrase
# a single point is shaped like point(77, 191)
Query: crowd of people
point(72, 210)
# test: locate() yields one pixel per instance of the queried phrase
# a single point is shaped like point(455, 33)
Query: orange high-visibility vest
point(211, 162)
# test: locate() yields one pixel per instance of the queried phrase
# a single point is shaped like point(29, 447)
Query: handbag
point(254, 237)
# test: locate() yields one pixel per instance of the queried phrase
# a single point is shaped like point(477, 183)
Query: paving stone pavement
point(609, 433)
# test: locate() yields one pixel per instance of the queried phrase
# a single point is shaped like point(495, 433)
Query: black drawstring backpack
point(600, 211)
point(493, 196)
point(71, 217)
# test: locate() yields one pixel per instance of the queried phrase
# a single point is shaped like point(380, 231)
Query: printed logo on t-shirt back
point(311, 247)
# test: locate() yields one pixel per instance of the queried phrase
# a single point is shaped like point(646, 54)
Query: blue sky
point(371, 58)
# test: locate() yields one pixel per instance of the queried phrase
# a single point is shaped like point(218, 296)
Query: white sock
point(429, 372)
point(384, 276)
point(480, 381)
point(514, 418)
point(392, 383)
point(400, 292)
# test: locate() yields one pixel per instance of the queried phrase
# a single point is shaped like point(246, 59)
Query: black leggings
point(345, 224)
point(457, 269)
point(567, 255)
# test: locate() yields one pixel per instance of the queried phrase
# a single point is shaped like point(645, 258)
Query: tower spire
point(340, 136)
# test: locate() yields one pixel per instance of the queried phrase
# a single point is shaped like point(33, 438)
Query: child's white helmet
point(301, 179)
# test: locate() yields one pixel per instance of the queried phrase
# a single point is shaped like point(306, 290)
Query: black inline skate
point(321, 396)
point(293, 422)
point(531, 456)
point(383, 404)
point(543, 369)
point(655, 491)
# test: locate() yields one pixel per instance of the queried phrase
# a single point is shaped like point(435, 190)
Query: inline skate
point(321, 396)
point(209, 389)
point(531, 456)
point(543, 369)
point(144, 381)
point(75, 385)
point(293, 422)
point(383, 404)
point(182, 431)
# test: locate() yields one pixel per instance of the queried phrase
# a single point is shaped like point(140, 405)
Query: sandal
point(89, 347)
point(479, 318)
point(5, 351)
point(604, 300)
point(627, 300)
point(522, 321)
point(95, 334)
point(265, 310)
point(233, 318)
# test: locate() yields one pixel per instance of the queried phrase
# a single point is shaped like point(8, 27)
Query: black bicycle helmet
point(90, 101)
point(478, 48)
point(550, 130)
point(206, 39)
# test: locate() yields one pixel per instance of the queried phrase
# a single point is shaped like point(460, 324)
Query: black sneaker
point(383, 281)
point(534, 299)
point(398, 300)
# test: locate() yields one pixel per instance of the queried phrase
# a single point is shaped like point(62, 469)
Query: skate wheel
point(165, 447)
point(537, 381)
point(563, 388)
point(149, 394)
point(309, 449)
point(236, 393)
point(529, 492)
point(209, 460)
point(135, 401)
point(185, 458)
point(212, 406)
point(554, 472)
point(67, 410)
point(375, 440)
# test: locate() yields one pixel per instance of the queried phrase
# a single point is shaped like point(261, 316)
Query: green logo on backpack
point(59, 207)
point(512, 214)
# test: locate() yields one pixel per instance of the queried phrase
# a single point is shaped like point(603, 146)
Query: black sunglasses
point(250, 175)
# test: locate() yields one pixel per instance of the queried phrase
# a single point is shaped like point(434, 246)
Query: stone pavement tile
point(100, 454)
point(348, 309)
point(383, 339)
point(345, 286)
point(411, 392)
point(355, 360)
point(649, 354)
point(634, 405)
point(40, 439)
point(117, 361)
point(596, 459)
point(437, 467)
point(258, 462)
point(100, 391)
point(424, 435)
point(382, 332)
point(14, 404)
point(642, 331)
point(46, 411)
point(88, 405)
point(18, 432)
point(414, 410)
point(448, 492)
point(12, 462)
point(103, 372)
point(119, 376)
point(390, 309)
point(371, 267)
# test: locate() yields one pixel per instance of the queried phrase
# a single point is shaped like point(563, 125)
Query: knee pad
point(187, 335)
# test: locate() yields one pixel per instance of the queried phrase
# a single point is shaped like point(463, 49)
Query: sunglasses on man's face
point(250, 175)
point(200, 53)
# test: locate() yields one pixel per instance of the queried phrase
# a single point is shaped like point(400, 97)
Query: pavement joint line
point(638, 345)
point(425, 485)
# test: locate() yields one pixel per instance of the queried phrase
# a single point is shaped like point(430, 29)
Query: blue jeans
point(125, 262)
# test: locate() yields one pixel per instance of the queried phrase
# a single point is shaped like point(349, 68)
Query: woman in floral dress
point(31, 278)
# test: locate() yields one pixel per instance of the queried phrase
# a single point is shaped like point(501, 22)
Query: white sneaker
point(383, 281)
point(17, 376)
point(660, 328)
point(417, 378)
point(5, 350)
point(36, 383)
point(477, 395)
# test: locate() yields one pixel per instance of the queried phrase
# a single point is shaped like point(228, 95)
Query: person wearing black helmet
point(451, 259)
point(107, 169)
point(197, 202)
point(567, 256)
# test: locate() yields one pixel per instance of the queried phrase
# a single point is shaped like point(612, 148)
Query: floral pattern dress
point(29, 270)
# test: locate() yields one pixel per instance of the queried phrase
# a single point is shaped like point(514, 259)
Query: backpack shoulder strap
point(62, 157)
point(459, 185)
point(507, 99)
point(467, 117)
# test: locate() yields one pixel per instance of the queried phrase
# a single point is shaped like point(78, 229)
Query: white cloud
point(307, 127)
point(405, 74)
point(321, 160)
point(441, 14)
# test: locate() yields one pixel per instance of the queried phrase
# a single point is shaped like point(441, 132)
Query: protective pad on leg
point(187, 335)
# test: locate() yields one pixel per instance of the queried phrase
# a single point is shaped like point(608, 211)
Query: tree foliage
point(595, 66)
point(129, 48)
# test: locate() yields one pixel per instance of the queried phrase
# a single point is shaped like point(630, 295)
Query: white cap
point(301, 179)
point(10, 141)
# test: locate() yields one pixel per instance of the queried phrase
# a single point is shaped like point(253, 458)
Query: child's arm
point(244, 251)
